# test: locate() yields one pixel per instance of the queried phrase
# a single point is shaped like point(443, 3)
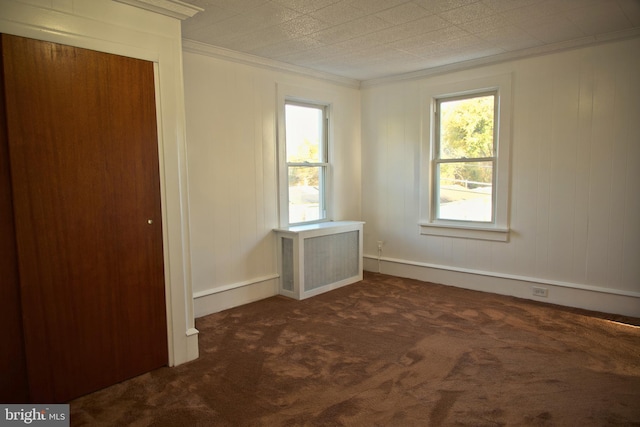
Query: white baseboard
point(567, 294)
point(222, 298)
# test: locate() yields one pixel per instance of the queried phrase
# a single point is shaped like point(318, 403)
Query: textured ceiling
point(370, 39)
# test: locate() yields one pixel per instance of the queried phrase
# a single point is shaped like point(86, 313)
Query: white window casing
point(305, 97)
point(498, 228)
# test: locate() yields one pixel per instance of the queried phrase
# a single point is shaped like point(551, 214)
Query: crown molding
point(173, 8)
point(193, 46)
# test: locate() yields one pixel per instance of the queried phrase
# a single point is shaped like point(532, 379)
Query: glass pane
point(305, 195)
point(466, 128)
point(465, 191)
point(304, 134)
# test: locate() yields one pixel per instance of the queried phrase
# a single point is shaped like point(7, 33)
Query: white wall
point(233, 199)
point(575, 194)
point(107, 26)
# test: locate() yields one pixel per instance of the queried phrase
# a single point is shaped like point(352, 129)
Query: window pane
point(304, 134)
point(305, 195)
point(466, 128)
point(465, 191)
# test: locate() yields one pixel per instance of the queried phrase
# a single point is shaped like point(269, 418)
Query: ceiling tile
point(502, 5)
point(566, 5)
point(465, 43)
point(600, 18)
point(270, 14)
point(359, 43)
point(255, 42)
point(468, 13)
point(483, 24)
point(239, 6)
point(311, 58)
point(349, 30)
point(439, 6)
point(374, 6)
point(431, 41)
point(303, 25)
point(523, 14)
point(305, 6)
point(403, 13)
point(553, 29)
point(338, 13)
point(237, 24)
point(287, 47)
point(424, 25)
point(409, 30)
point(509, 38)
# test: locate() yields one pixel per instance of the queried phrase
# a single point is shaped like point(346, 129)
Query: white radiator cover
point(317, 258)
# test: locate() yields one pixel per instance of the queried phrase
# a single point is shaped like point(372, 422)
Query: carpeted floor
point(390, 352)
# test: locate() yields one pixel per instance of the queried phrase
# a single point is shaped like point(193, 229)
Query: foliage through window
point(465, 158)
point(306, 161)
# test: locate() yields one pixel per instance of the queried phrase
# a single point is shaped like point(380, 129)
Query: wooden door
point(13, 375)
point(84, 164)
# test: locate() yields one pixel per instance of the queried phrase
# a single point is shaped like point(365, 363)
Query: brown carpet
point(390, 352)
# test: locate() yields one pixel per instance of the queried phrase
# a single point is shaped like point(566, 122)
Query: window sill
point(492, 232)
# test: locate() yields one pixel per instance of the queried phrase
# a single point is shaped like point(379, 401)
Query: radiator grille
point(330, 258)
point(287, 264)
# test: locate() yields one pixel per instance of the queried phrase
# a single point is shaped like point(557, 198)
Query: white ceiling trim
point(172, 8)
point(508, 56)
point(193, 46)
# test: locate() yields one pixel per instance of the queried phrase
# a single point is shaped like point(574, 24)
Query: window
point(464, 158)
point(306, 161)
point(465, 166)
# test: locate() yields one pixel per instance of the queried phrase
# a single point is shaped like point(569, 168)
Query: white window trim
point(429, 225)
point(297, 94)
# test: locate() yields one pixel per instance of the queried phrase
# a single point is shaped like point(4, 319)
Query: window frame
point(437, 160)
point(309, 98)
point(432, 94)
point(323, 165)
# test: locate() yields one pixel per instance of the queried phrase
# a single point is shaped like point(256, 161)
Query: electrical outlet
point(540, 292)
point(380, 243)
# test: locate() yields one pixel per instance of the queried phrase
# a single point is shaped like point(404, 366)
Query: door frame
point(120, 29)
